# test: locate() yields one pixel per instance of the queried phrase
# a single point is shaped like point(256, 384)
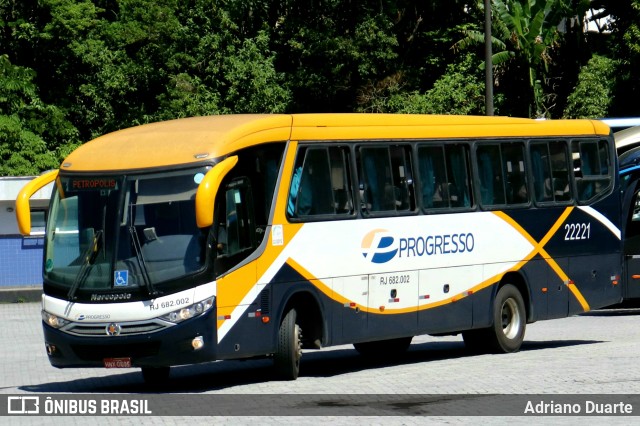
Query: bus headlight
point(53, 320)
point(187, 312)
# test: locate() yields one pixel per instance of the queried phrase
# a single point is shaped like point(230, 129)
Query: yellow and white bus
point(239, 236)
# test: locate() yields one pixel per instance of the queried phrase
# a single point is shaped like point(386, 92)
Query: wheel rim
point(511, 319)
point(298, 346)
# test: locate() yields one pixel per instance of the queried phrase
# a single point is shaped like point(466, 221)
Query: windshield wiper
point(143, 265)
point(89, 257)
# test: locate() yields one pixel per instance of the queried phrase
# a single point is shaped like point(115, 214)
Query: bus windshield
point(123, 233)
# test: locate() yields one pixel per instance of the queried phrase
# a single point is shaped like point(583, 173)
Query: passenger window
point(341, 180)
point(591, 165)
point(550, 172)
point(432, 172)
point(444, 176)
point(385, 179)
point(239, 232)
point(502, 175)
point(236, 234)
point(490, 175)
point(457, 157)
point(516, 190)
point(321, 183)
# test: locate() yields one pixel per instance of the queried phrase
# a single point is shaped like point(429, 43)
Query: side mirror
point(208, 189)
point(23, 210)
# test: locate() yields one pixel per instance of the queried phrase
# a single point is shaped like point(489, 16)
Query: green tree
point(623, 44)
point(460, 90)
point(425, 32)
point(34, 136)
point(219, 66)
point(107, 64)
point(331, 51)
point(594, 93)
point(114, 59)
point(122, 63)
point(524, 34)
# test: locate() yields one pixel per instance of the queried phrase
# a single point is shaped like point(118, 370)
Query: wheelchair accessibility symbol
point(121, 278)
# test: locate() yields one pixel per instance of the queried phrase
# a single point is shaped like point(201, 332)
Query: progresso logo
point(380, 246)
point(82, 317)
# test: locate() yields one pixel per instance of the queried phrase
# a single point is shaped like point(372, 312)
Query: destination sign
point(90, 184)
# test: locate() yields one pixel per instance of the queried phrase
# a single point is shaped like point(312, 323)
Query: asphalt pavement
point(574, 361)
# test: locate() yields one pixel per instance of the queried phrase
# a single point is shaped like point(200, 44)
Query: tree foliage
point(524, 35)
point(460, 90)
point(594, 93)
point(623, 44)
point(75, 69)
point(34, 136)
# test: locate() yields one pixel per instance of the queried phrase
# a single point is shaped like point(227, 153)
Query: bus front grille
point(125, 329)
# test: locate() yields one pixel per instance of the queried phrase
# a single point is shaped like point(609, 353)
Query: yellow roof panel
point(192, 140)
point(391, 126)
point(175, 142)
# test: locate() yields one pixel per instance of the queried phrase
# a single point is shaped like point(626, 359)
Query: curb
point(22, 294)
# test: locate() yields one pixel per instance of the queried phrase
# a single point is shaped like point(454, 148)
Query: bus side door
point(236, 240)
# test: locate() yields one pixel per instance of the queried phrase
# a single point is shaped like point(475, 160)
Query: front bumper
point(170, 346)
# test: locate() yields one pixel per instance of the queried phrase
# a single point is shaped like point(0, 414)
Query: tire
point(383, 348)
point(286, 359)
point(509, 324)
point(509, 320)
point(155, 375)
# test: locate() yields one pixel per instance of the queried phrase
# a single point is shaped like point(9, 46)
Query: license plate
point(117, 362)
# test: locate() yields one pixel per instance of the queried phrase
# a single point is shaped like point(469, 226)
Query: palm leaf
point(538, 20)
point(474, 38)
point(502, 57)
point(501, 9)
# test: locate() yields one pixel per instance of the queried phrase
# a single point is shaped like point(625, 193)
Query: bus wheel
point(286, 360)
point(509, 320)
point(155, 375)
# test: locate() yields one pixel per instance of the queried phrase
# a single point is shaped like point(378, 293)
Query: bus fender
point(310, 314)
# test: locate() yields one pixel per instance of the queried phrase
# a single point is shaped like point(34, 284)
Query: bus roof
point(627, 139)
point(193, 140)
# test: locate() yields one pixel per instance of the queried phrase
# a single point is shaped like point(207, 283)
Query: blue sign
point(121, 278)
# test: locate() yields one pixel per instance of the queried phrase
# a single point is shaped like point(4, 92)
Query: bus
point(241, 236)
point(629, 164)
point(627, 139)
